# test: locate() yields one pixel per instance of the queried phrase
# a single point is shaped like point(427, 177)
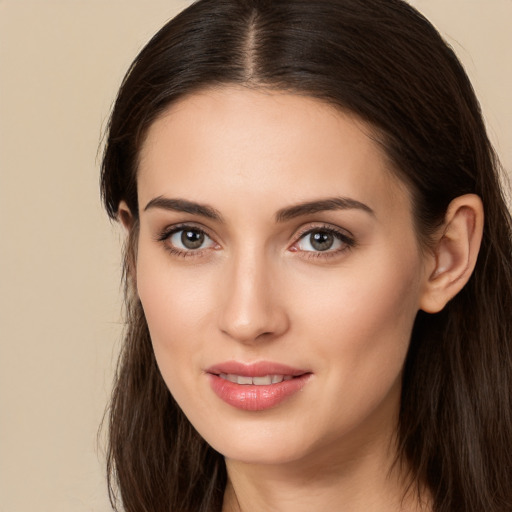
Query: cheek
point(170, 317)
point(361, 322)
point(173, 303)
point(363, 315)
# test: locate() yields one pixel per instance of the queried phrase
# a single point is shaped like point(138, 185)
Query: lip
point(250, 397)
point(259, 369)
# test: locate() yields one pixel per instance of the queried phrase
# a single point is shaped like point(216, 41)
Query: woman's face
point(279, 273)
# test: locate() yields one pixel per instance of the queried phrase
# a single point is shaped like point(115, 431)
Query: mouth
point(266, 380)
point(257, 386)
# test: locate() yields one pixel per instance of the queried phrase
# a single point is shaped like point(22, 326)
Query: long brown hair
point(384, 62)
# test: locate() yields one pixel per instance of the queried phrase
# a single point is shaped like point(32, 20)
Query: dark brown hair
point(381, 60)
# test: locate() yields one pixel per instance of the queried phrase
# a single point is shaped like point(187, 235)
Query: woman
point(318, 309)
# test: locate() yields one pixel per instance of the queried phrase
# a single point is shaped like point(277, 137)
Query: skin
point(258, 290)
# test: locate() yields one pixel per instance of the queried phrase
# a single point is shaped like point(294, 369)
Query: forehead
point(236, 142)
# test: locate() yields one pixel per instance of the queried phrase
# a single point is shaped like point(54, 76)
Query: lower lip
point(250, 397)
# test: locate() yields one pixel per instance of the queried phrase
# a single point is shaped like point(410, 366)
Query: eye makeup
point(313, 241)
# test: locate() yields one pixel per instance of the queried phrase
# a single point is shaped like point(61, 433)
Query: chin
point(259, 454)
point(262, 442)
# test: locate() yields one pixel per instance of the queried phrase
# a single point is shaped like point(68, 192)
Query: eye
point(184, 239)
point(323, 240)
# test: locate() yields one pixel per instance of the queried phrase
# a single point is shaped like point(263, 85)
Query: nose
point(252, 308)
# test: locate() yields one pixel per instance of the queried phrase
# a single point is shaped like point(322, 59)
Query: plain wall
point(60, 65)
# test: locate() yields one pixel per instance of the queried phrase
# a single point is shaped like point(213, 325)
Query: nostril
point(250, 312)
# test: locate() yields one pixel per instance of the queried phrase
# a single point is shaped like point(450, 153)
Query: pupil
point(192, 239)
point(321, 241)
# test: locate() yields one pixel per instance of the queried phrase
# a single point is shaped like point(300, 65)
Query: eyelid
point(343, 235)
point(340, 233)
point(318, 226)
point(174, 228)
point(165, 234)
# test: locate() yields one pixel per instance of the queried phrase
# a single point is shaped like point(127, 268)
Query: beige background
point(60, 65)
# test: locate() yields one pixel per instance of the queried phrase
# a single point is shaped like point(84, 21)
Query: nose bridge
point(251, 306)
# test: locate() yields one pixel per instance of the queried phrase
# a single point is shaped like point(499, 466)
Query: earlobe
point(124, 216)
point(455, 252)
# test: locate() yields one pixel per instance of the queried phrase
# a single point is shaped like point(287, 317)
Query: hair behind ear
point(455, 423)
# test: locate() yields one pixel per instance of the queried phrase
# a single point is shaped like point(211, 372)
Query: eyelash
point(341, 236)
point(346, 239)
point(165, 235)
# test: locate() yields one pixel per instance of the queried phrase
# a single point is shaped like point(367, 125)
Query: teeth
point(257, 381)
point(262, 381)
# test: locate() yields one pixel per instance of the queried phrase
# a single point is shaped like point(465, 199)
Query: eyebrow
point(182, 205)
point(329, 204)
point(283, 215)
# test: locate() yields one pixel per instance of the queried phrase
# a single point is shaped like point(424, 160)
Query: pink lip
point(252, 397)
point(259, 369)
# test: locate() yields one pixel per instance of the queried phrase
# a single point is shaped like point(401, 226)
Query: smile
point(256, 381)
point(257, 386)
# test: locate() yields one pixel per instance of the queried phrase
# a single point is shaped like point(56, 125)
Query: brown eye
point(192, 238)
point(324, 240)
point(188, 239)
point(321, 240)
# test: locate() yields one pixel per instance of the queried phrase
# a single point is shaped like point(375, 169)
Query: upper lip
point(258, 369)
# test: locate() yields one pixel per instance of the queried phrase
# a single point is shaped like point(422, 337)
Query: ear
point(455, 253)
point(124, 216)
point(127, 219)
